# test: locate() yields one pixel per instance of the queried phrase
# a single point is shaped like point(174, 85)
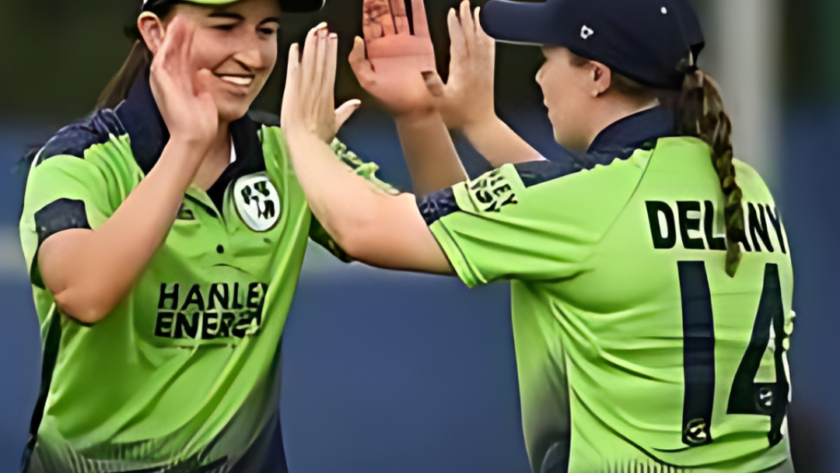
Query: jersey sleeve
point(63, 192)
point(531, 221)
point(364, 169)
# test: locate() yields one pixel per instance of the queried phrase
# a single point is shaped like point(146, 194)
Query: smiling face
point(238, 44)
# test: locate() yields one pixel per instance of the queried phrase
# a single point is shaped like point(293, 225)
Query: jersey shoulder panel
point(753, 186)
point(75, 139)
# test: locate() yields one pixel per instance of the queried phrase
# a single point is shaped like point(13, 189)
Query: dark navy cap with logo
point(291, 6)
point(654, 42)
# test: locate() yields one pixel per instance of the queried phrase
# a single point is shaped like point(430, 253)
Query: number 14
point(746, 396)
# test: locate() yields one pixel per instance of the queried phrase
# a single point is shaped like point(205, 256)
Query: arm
point(366, 170)
point(498, 143)
point(352, 212)
point(393, 72)
point(429, 152)
point(355, 215)
point(503, 225)
point(466, 101)
point(90, 271)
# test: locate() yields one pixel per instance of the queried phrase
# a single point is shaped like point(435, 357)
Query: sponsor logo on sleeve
point(491, 192)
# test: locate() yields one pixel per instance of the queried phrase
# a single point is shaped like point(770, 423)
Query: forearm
point(429, 153)
point(336, 195)
point(499, 144)
point(91, 272)
point(372, 227)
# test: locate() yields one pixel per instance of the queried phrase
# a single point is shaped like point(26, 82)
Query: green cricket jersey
point(184, 374)
point(635, 350)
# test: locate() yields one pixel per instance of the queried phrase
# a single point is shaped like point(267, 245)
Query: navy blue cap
point(654, 42)
point(289, 6)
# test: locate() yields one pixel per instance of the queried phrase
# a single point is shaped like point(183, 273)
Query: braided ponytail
point(700, 113)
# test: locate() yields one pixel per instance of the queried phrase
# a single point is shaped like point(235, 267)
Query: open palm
point(396, 58)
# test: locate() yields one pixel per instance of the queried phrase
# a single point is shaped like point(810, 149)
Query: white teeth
point(236, 80)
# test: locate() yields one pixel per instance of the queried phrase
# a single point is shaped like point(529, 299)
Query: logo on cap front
point(586, 32)
point(257, 202)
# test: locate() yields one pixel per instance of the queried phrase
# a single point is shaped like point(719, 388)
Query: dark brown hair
point(699, 112)
point(138, 62)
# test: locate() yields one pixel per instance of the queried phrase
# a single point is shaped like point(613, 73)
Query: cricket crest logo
point(257, 202)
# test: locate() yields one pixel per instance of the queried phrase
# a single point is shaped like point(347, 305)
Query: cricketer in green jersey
point(651, 272)
point(182, 372)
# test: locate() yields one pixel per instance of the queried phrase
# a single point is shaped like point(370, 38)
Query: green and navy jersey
point(635, 350)
point(183, 375)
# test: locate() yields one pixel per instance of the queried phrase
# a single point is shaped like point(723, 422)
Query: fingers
point(400, 17)
point(187, 64)
point(377, 20)
point(434, 84)
point(421, 23)
point(173, 42)
point(293, 70)
point(345, 111)
point(310, 51)
point(480, 34)
point(320, 60)
point(330, 70)
point(467, 24)
point(360, 64)
point(292, 87)
point(456, 35)
point(203, 82)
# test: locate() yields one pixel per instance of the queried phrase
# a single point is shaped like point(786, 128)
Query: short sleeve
point(367, 170)
point(63, 192)
point(531, 221)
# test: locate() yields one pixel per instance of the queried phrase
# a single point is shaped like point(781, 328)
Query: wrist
point(297, 131)
point(419, 114)
point(418, 118)
point(191, 145)
point(182, 157)
point(488, 123)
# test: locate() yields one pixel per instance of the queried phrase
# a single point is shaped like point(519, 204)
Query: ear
point(152, 30)
point(601, 78)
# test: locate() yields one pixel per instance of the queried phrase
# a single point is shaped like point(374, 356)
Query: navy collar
point(142, 120)
point(634, 131)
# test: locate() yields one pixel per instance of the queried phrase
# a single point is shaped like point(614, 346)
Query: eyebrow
point(231, 16)
point(238, 17)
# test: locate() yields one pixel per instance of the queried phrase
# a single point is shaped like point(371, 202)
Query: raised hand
point(309, 97)
point(397, 59)
point(466, 99)
point(181, 89)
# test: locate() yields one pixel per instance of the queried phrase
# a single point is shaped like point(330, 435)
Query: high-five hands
point(400, 69)
point(397, 59)
point(309, 97)
point(181, 89)
point(466, 99)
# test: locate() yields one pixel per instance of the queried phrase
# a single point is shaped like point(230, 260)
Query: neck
point(220, 150)
point(216, 160)
point(614, 110)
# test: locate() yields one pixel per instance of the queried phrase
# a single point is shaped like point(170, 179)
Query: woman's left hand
point(309, 97)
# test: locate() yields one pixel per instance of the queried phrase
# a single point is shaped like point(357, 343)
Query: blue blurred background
point(391, 372)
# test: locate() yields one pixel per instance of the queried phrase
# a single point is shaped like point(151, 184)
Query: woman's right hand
point(466, 99)
point(181, 90)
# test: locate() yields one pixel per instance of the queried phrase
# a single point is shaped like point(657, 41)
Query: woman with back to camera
point(650, 271)
point(165, 237)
